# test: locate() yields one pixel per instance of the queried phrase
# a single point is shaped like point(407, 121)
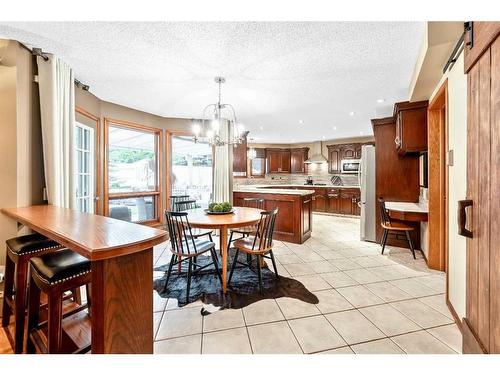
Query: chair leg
point(54, 317)
point(384, 239)
point(410, 242)
point(189, 279)
point(274, 264)
point(77, 295)
point(216, 264)
point(259, 272)
point(169, 272)
point(33, 313)
point(20, 303)
point(89, 298)
point(233, 266)
point(10, 268)
point(229, 241)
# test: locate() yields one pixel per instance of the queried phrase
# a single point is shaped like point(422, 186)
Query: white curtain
point(223, 168)
point(57, 110)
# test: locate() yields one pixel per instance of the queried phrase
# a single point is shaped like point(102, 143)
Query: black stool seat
point(60, 266)
point(30, 243)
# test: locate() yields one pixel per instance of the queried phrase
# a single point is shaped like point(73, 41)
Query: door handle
point(462, 217)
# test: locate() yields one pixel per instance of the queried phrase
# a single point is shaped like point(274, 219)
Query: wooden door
point(349, 152)
point(273, 161)
point(285, 162)
point(346, 203)
point(481, 326)
point(333, 159)
point(333, 202)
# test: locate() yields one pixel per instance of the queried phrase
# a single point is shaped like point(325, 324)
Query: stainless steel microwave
point(350, 166)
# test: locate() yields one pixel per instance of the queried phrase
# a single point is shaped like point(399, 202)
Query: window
point(133, 172)
point(191, 169)
point(84, 168)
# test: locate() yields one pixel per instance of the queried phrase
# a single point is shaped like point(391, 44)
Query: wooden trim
point(158, 132)
point(133, 194)
point(438, 180)
point(454, 314)
point(168, 157)
point(470, 343)
point(98, 204)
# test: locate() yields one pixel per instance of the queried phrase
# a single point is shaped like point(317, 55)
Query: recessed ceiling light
point(301, 122)
point(351, 113)
point(261, 127)
point(334, 128)
point(380, 100)
point(323, 137)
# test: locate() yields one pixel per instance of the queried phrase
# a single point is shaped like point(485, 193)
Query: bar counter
point(122, 271)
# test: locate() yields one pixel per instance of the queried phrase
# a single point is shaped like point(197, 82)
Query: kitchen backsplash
point(318, 172)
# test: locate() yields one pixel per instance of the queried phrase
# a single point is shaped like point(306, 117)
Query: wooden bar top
point(94, 237)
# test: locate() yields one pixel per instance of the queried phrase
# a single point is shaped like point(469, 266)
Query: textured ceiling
point(289, 82)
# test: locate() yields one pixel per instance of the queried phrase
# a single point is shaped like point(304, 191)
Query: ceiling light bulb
point(261, 127)
point(351, 113)
point(334, 128)
point(380, 100)
point(301, 122)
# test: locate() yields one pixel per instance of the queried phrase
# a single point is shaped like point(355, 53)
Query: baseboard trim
point(470, 343)
point(454, 314)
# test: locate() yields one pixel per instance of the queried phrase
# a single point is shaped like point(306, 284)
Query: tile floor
point(368, 303)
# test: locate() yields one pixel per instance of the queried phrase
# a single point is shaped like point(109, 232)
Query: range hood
point(316, 155)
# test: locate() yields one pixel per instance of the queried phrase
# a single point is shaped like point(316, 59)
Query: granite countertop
point(407, 207)
point(262, 189)
point(302, 185)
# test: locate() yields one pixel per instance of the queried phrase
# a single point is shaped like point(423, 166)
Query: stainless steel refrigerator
point(366, 176)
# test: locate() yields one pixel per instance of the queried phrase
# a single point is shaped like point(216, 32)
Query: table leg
point(122, 304)
point(223, 248)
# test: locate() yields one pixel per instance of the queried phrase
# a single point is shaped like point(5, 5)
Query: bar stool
point(19, 252)
point(54, 274)
point(249, 229)
point(393, 227)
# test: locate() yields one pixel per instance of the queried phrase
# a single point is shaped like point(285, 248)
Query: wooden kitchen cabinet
point(319, 203)
point(334, 158)
point(297, 158)
point(411, 127)
point(278, 160)
point(349, 199)
point(240, 159)
point(333, 196)
point(349, 151)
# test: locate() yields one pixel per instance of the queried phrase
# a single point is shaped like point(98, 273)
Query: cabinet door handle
point(462, 217)
point(397, 141)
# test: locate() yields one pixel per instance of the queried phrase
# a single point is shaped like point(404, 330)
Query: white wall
point(457, 138)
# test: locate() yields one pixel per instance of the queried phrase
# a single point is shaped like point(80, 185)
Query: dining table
point(239, 217)
point(121, 256)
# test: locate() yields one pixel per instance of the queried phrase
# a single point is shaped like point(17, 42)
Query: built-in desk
point(122, 271)
point(407, 211)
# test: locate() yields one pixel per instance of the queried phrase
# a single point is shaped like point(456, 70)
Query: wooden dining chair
point(186, 248)
point(260, 245)
point(190, 204)
point(177, 198)
point(393, 227)
point(246, 231)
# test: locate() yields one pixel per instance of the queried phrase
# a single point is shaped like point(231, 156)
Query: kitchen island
point(294, 220)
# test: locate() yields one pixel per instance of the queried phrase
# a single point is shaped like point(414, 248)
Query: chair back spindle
point(177, 198)
point(384, 217)
point(184, 205)
point(264, 235)
point(179, 229)
point(254, 203)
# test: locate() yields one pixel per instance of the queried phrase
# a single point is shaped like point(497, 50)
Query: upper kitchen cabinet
point(411, 127)
point(278, 160)
point(258, 164)
point(240, 158)
point(334, 158)
point(297, 158)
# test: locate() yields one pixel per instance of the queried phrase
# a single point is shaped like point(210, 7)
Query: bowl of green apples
point(222, 208)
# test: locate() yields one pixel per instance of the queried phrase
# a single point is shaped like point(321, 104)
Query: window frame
point(92, 170)
point(155, 194)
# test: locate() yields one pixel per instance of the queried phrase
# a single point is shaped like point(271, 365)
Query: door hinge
point(469, 41)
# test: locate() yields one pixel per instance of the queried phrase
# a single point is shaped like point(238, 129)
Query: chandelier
point(220, 115)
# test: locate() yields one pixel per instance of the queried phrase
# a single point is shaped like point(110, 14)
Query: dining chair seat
point(396, 225)
point(200, 247)
point(246, 245)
